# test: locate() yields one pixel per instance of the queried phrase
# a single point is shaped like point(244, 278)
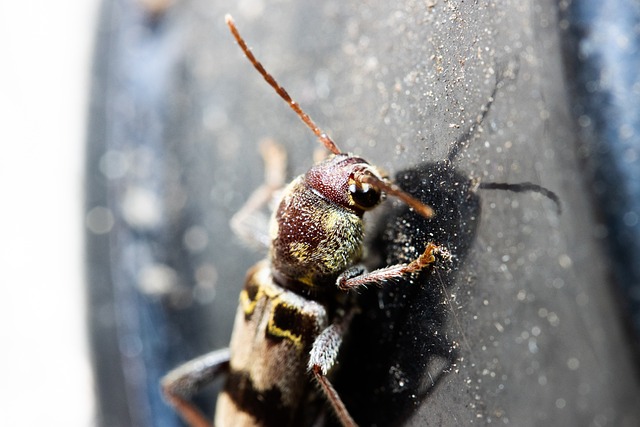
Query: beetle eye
point(364, 195)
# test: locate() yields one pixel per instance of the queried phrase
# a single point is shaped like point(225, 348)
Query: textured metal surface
point(529, 313)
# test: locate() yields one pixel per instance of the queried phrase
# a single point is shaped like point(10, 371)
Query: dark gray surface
point(539, 337)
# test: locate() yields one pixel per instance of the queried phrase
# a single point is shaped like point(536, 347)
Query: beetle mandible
point(296, 306)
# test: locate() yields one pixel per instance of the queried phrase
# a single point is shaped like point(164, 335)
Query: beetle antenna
point(323, 137)
point(392, 189)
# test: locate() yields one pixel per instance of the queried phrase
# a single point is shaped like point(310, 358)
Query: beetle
point(296, 306)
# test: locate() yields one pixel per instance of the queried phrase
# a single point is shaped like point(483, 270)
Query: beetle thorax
point(313, 238)
point(317, 230)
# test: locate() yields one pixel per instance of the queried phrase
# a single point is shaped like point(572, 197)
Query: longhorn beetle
point(296, 306)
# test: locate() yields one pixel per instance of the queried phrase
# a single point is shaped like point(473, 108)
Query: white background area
point(45, 61)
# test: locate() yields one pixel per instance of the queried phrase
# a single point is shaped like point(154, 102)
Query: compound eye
point(364, 195)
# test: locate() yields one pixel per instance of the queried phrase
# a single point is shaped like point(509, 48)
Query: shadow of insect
point(398, 348)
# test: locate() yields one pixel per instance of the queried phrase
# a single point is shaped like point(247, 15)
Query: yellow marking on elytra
point(274, 296)
point(283, 333)
point(248, 306)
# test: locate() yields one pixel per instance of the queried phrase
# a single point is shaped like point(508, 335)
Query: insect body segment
point(274, 330)
point(317, 230)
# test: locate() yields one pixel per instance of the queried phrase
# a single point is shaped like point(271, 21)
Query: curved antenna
point(387, 187)
point(392, 189)
point(323, 137)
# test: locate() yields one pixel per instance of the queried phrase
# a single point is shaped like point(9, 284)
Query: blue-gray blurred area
point(602, 57)
point(150, 284)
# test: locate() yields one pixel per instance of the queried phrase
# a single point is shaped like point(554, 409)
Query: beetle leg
point(249, 223)
point(183, 382)
point(431, 254)
point(322, 358)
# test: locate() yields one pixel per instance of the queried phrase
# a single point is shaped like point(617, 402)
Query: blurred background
point(45, 51)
